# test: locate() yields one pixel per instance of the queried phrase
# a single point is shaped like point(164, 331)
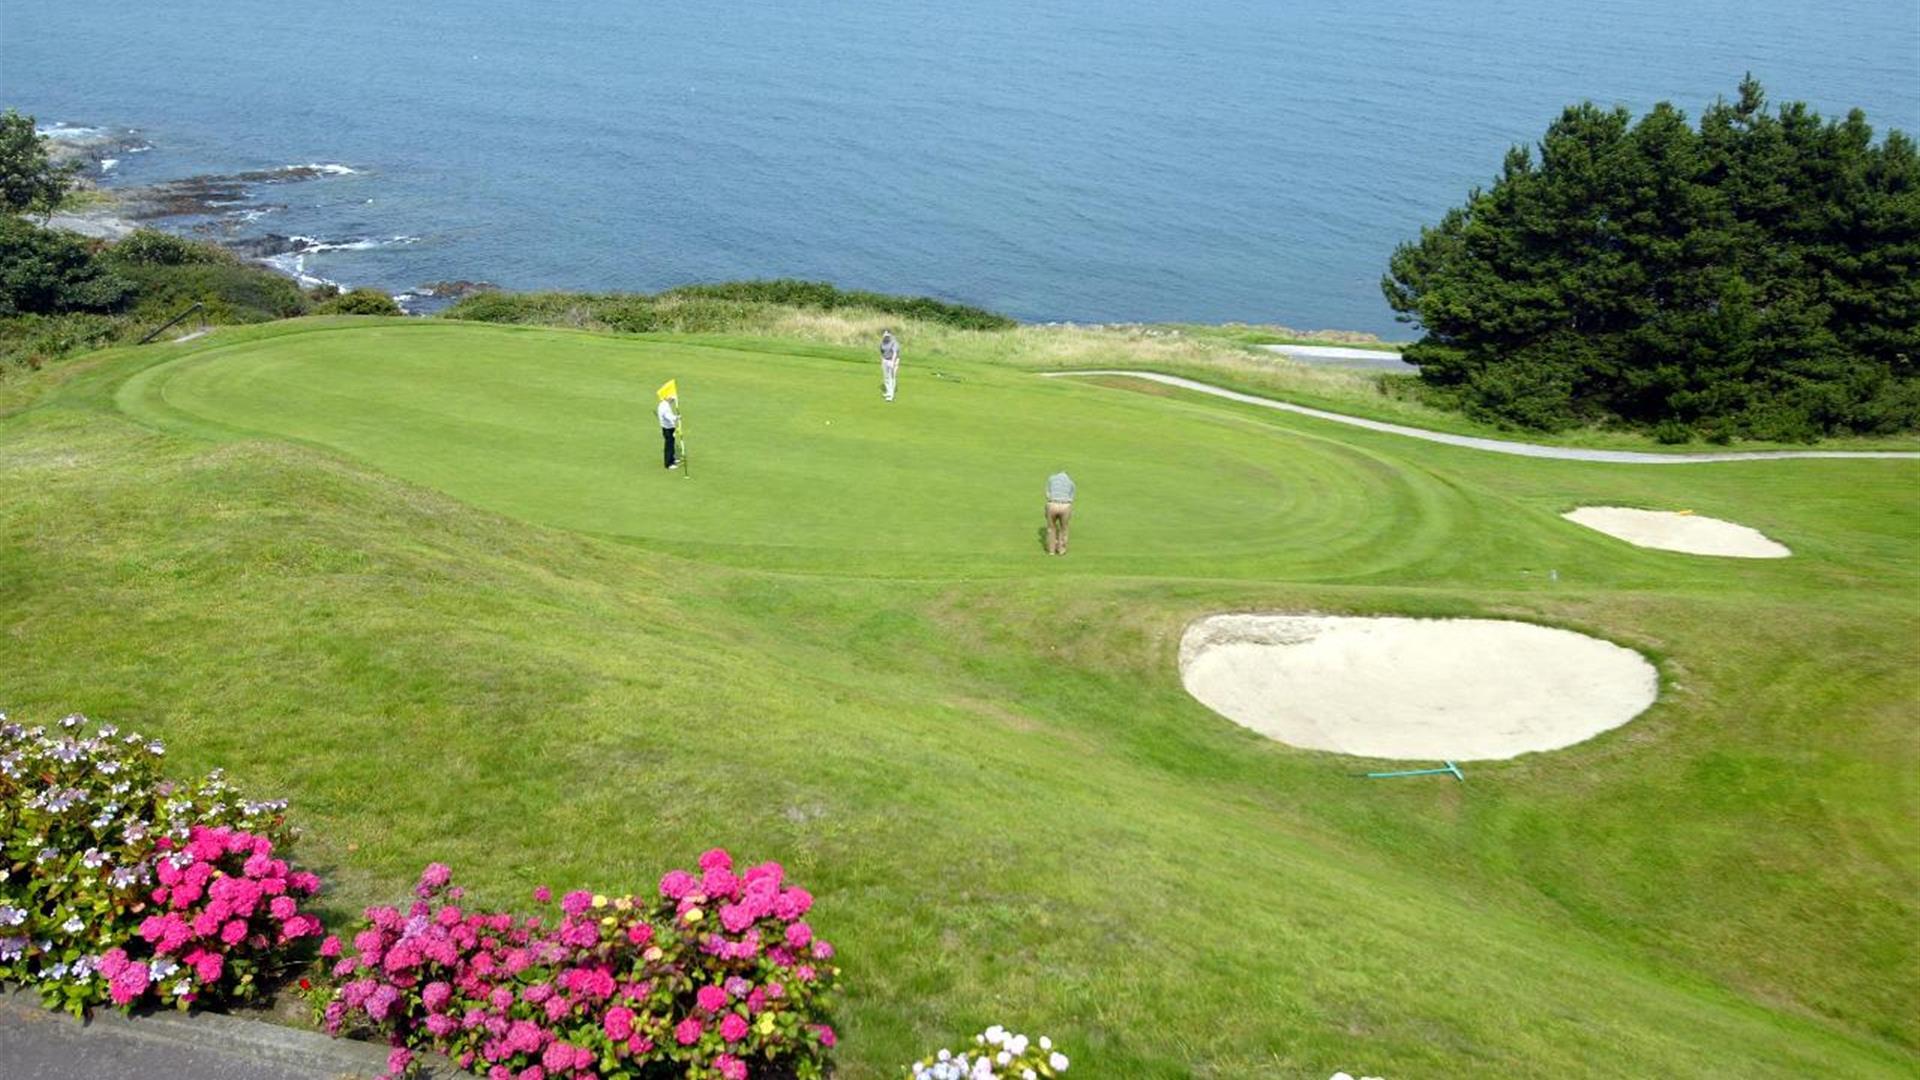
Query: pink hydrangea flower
point(207, 966)
point(716, 859)
point(382, 1001)
point(719, 882)
point(793, 903)
point(711, 998)
point(559, 1056)
point(827, 1037)
point(618, 1023)
point(525, 1037)
point(576, 902)
point(676, 884)
point(735, 917)
point(398, 1061)
point(688, 1031)
point(734, 1027)
point(799, 934)
point(330, 948)
point(542, 894)
point(128, 985)
point(731, 1068)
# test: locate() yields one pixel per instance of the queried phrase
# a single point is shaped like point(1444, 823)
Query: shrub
point(827, 297)
point(360, 302)
point(150, 247)
point(997, 1054)
point(46, 271)
point(232, 292)
point(708, 308)
point(719, 976)
point(30, 341)
point(121, 886)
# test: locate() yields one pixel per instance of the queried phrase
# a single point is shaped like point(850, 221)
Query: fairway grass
point(430, 582)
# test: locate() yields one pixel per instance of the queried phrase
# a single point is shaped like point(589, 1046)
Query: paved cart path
point(36, 1044)
point(1496, 446)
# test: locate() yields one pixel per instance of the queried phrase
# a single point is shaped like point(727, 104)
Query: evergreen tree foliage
point(1757, 275)
point(30, 181)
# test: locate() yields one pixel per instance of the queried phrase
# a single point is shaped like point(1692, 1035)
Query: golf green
point(799, 454)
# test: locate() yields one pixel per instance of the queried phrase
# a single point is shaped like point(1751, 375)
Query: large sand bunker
point(1670, 530)
point(1438, 689)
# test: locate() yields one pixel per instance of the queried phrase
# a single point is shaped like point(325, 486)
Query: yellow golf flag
point(670, 389)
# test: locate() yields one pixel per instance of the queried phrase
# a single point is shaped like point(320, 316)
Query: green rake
point(1449, 767)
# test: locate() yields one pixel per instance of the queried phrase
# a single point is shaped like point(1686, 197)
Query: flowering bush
point(718, 977)
point(117, 885)
point(997, 1054)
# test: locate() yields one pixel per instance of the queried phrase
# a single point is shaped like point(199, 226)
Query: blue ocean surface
point(1213, 160)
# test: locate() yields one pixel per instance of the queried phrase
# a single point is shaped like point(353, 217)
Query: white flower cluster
point(1349, 1076)
point(997, 1054)
point(79, 815)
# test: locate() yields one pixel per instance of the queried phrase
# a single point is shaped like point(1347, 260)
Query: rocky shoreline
point(220, 208)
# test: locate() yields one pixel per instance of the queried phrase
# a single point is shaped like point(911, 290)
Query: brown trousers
point(1059, 514)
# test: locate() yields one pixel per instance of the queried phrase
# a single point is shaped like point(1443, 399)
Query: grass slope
point(430, 582)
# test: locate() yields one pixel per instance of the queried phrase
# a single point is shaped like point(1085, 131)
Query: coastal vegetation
point(31, 182)
point(718, 306)
point(61, 293)
point(424, 578)
point(1755, 277)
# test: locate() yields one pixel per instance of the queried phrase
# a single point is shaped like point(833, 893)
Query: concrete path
point(1335, 356)
point(1496, 446)
point(36, 1044)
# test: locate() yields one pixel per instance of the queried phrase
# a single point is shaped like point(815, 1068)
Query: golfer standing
point(1059, 511)
point(669, 424)
point(889, 363)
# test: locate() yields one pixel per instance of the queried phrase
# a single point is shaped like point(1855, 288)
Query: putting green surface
point(797, 458)
point(429, 581)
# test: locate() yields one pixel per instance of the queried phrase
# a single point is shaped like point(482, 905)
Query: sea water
point(1209, 160)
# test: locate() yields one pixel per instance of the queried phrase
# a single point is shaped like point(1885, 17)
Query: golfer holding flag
point(669, 395)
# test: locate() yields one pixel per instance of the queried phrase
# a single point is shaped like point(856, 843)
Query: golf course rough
point(367, 566)
point(1440, 689)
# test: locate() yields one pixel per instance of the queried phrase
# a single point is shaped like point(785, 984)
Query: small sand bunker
point(1439, 689)
point(1669, 530)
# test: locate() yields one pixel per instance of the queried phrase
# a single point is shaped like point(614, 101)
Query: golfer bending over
point(669, 422)
point(889, 363)
point(1059, 511)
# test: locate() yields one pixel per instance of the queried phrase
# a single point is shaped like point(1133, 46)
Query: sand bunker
point(1671, 531)
point(1435, 689)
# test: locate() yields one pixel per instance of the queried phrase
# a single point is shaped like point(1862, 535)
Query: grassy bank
point(429, 581)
